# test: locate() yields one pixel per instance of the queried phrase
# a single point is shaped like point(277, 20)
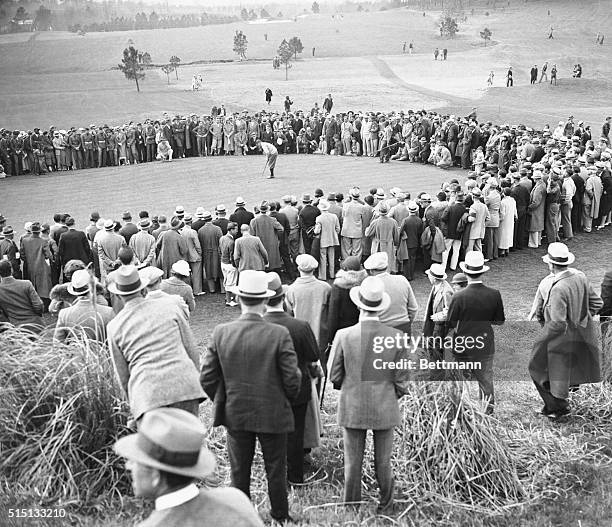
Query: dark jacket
point(305, 346)
point(343, 313)
point(522, 196)
point(471, 313)
point(250, 371)
point(412, 228)
point(606, 295)
point(128, 230)
point(73, 245)
point(451, 216)
point(241, 216)
point(20, 303)
point(308, 216)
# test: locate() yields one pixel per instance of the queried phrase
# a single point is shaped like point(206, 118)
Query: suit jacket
point(328, 228)
point(305, 346)
point(80, 317)
point(73, 245)
point(268, 230)
point(241, 216)
point(251, 369)
point(450, 217)
point(352, 223)
point(249, 253)
point(471, 312)
point(218, 506)
point(480, 214)
point(369, 394)
point(606, 295)
point(20, 303)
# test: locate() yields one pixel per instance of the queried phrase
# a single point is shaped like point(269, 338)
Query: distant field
point(64, 80)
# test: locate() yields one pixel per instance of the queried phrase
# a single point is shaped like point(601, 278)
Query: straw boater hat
point(181, 267)
point(206, 216)
point(169, 439)
point(240, 202)
point(109, 225)
point(274, 284)
point(474, 263)
point(437, 271)
point(370, 295)
point(252, 284)
point(558, 254)
point(144, 224)
point(79, 284)
point(199, 212)
point(127, 281)
point(179, 211)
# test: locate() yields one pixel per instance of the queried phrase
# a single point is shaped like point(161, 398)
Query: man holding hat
point(84, 317)
point(178, 284)
point(368, 395)
point(307, 352)
point(567, 353)
point(143, 244)
point(246, 357)
point(153, 349)
point(470, 315)
point(166, 457)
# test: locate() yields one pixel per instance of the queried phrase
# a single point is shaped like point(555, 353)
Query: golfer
point(271, 154)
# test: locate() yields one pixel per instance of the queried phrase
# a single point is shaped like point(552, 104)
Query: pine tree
point(175, 61)
point(285, 52)
point(131, 67)
point(296, 45)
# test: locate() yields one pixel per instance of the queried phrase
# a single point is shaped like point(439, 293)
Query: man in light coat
point(478, 216)
point(249, 252)
point(536, 210)
point(567, 353)
point(108, 243)
point(327, 227)
point(194, 254)
point(369, 395)
point(19, 302)
point(493, 203)
point(352, 225)
point(143, 244)
point(171, 247)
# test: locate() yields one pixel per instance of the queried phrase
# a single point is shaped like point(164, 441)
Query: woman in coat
point(385, 236)
point(507, 217)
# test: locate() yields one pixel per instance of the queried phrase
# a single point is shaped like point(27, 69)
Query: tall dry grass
point(60, 412)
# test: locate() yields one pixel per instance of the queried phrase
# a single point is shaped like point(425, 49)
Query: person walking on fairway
point(553, 75)
point(268, 95)
point(509, 78)
point(544, 75)
point(271, 154)
point(490, 79)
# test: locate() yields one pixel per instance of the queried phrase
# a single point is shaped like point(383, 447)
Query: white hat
point(252, 284)
point(437, 271)
point(306, 262)
point(199, 212)
point(181, 267)
point(109, 225)
point(151, 274)
point(354, 192)
point(127, 281)
point(370, 295)
point(323, 205)
point(558, 254)
point(377, 262)
point(395, 191)
point(474, 263)
point(79, 284)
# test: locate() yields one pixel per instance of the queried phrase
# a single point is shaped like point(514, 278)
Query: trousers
point(350, 247)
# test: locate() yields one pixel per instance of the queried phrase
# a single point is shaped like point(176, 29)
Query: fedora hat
point(144, 224)
point(150, 274)
point(169, 439)
point(437, 271)
point(306, 198)
point(109, 225)
point(181, 267)
point(179, 210)
point(127, 281)
point(275, 284)
point(79, 284)
point(377, 262)
point(459, 278)
point(370, 295)
point(220, 208)
point(176, 223)
point(206, 216)
point(252, 284)
point(35, 227)
point(240, 202)
point(127, 215)
point(306, 262)
point(200, 212)
point(558, 254)
point(474, 263)
point(323, 205)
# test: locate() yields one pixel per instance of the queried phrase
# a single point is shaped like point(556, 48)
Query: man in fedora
point(353, 213)
point(9, 250)
point(403, 307)
point(306, 221)
point(327, 227)
point(166, 457)
point(108, 243)
point(153, 349)
point(143, 244)
point(246, 357)
point(171, 246)
point(368, 395)
point(194, 254)
point(566, 354)
point(268, 230)
point(84, 317)
point(73, 245)
point(307, 352)
point(129, 228)
point(471, 313)
point(241, 216)
point(209, 236)
point(19, 301)
point(178, 284)
point(228, 265)
point(36, 255)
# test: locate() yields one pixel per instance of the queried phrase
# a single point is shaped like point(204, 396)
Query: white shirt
point(268, 148)
point(176, 498)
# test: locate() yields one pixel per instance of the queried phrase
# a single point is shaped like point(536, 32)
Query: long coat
point(537, 208)
point(385, 237)
point(268, 230)
point(209, 236)
point(567, 353)
point(171, 247)
point(507, 214)
point(34, 252)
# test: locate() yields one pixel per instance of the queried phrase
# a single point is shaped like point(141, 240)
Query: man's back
point(20, 302)
point(251, 369)
point(73, 245)
point(210, 508)
point(82, 317)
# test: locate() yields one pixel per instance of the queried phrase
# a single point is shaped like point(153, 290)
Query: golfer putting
point(271, 154)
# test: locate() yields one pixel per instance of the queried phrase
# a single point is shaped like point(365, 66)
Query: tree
point(315, 8)
point(296, 45)
point(448, 26)
point(174, 60)
point(167, 69)
point(240, 44)
point(263, 13)
point(244, 14)
point(21, 14)
point(285, 52)
point(485, 34)
point(42, 21)
point(131, 68)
